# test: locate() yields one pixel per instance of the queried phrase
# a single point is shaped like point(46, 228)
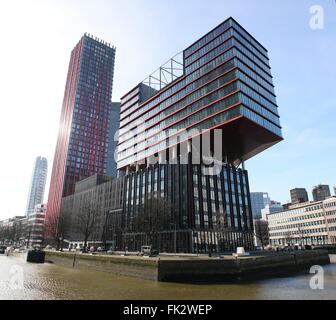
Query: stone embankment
point(193, 268)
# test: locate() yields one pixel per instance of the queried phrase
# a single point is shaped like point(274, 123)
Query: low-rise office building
point(310, 223)
point(273, 207)
point(96, 202)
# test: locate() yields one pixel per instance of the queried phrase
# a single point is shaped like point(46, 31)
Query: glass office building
point(226, 83)
point(83, 140)
point(205, 212)
point(259, 201)
point(222, 81)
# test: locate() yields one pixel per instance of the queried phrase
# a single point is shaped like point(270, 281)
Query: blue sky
point(34, 56)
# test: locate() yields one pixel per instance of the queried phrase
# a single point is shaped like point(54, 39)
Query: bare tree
point(153, 217)
point(57, 228)
point(221, 226)
point(288, 237)
point(261, 232)
point(86, 219)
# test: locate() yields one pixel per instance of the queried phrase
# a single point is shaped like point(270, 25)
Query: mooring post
point(74, 261)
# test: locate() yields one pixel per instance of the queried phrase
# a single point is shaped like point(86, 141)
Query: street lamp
point(61, 243)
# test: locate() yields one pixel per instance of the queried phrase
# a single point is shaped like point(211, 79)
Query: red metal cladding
point(81, 145)
point(57, 176)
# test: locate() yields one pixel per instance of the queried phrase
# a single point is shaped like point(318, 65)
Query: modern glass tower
point(299, 195)
point(83, 138)
point(259, 201)
point(321, 192)
point(220, 89)
point(37, 184)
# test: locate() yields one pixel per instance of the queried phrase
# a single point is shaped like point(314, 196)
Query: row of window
point(299, 218)
point(225, 56)
point(209, 123)
point(186, 107)
point(187, 122)
point(213, 34)
point(298, 225)
point(222, 48)
point(257, 87)
point(198, 93)
point(259, 108)
point(182, 94)
point(219, 30)
point(261, 121)
point(299, 233)
point(222, 38)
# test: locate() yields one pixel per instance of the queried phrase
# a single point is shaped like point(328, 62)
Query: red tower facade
point(83, 138)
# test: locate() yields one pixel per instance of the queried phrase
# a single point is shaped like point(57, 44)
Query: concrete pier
point(190, 269)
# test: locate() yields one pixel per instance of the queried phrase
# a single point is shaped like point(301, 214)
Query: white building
point(37, 184)
point(311, 223)
point(273, 207)
point(35, 226)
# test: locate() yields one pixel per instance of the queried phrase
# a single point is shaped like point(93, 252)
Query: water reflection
point(54, 282)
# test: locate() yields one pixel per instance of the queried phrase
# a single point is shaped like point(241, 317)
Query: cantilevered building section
point(222, 81)
point(83, 139)
point(225, 83)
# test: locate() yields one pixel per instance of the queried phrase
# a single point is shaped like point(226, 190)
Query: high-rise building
point(321, 192)
point(299, 195)
point(335, 191)
point(218, 91)
point(259, 200)
point(111, 168)
point(83, 139)
point(37, 184)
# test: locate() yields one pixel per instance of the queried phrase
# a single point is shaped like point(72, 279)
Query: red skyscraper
point(83, 138)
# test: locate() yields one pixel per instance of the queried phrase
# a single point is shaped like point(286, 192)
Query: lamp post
point(61, 242)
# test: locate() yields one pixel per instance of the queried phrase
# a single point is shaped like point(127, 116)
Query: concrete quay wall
point(202, 269)
point(124, 266)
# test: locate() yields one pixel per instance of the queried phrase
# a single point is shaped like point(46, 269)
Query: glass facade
point(226, 84)
point(259, 201)
point(226, 77)
point(37, 185)
point(214, 205)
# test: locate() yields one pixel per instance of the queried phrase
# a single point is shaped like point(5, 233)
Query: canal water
point(49, 281)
